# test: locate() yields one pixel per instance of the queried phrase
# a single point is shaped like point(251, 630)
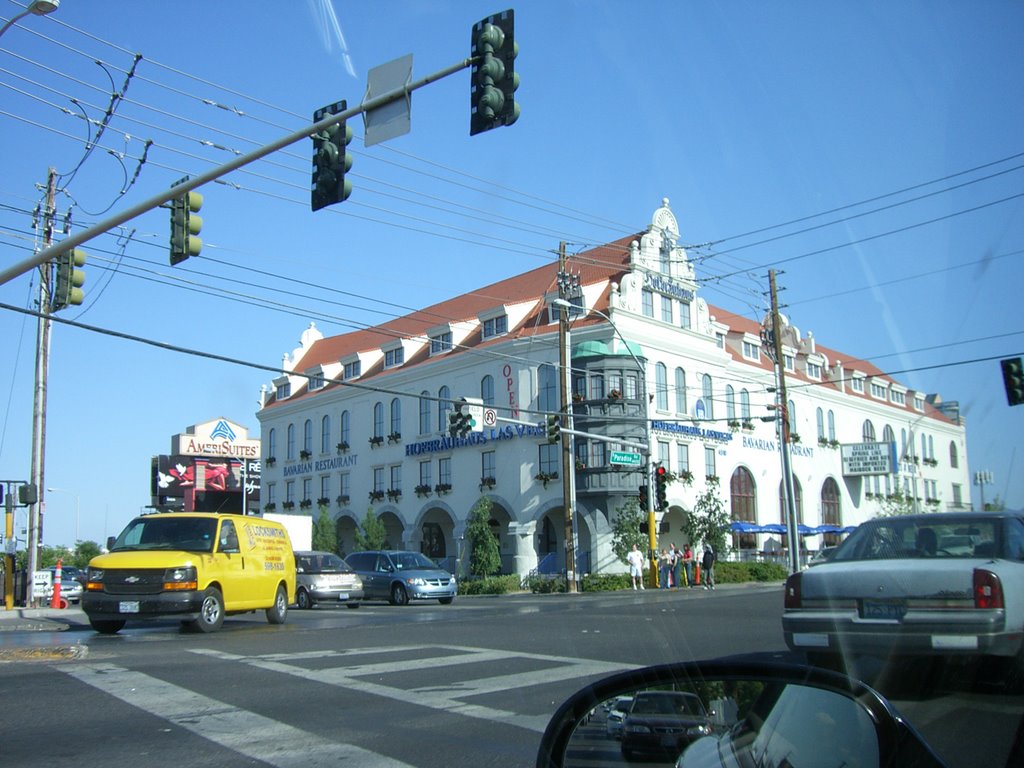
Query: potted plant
point(394, 494)
point(794, 437)
point(546, 477)
point(343, 447)
point(376, 440)
point(823, 441)
point(487, 482)
point(342, 499)
point(304, 454)
point(376, 495)
point(288, 504)
point(269, 506)
point(270, 461)
point(423, 490)
point(305, 504)
point(734, 424)
point(686, 477)
point(441, 488)
point(395, 437)
point(323, 501)
point(614, 395)
point(748, 425)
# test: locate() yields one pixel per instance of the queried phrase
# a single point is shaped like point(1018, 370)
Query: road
point(426, 685)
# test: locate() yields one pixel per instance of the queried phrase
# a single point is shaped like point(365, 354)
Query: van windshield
point(192, 534)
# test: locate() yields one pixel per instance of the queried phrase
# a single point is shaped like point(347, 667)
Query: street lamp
point(77, 506)
point(35, 8)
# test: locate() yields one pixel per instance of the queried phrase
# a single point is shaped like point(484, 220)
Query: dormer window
point(790, 362)
point(751, 351)
point(878, 390)
point(813, 370)
point(316, 381)
point(284, 390)
point(353, 370)
point(857, 384)
point(495, 326)
point(918, 403)
point(441, 343)
point(898, 397)
point(394, 357)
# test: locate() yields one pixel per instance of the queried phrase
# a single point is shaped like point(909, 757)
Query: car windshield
point(192, 534)
point(412, 561)
point(902, 537)
point(666, 704)
point(321, 562)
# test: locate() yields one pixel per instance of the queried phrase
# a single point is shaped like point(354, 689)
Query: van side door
point(233, 569)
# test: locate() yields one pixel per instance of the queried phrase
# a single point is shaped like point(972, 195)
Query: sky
point(870, 152)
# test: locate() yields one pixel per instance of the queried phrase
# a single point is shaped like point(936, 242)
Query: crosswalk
point(402, 673)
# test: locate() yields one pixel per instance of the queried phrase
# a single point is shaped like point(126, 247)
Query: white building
point(361, 419)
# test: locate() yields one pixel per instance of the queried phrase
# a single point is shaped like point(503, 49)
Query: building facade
point(360, 420)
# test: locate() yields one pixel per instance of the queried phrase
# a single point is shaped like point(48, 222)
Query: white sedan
point(930, 584)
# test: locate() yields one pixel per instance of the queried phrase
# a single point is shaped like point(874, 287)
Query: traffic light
point(185, 226)
point(1013, 380)
point(554, 423)
point(660, 488)
point(331, 159)
point(494, 79)
point(70, 280)
point(645, 498)
point(459, 424)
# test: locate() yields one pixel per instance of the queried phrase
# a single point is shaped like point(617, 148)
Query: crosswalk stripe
point(244, 732)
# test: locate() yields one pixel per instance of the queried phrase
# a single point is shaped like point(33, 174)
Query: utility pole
point(782, 413)
point(565, 406)
point(37, 470)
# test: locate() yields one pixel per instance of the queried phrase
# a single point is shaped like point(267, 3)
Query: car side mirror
point(734, 713)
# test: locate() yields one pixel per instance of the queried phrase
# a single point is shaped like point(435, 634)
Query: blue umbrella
point(773, 528)
point(741, 526)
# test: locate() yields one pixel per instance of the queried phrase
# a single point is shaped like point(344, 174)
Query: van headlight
point(180, 579)
point(94, 579)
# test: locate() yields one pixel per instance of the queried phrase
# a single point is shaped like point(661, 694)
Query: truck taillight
point(793, 591)
point(988, 589)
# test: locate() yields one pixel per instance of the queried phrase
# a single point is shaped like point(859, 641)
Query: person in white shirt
point(636, 566)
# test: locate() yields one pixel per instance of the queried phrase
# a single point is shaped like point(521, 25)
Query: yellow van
point(196, 566)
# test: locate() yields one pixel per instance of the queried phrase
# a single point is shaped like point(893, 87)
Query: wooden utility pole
point(565, 406)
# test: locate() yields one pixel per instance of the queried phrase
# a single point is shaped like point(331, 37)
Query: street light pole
point(36, 8)
point(568, 468)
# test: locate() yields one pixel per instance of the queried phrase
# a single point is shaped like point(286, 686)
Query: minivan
point(400, 577)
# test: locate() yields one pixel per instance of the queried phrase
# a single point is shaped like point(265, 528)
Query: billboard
point(211, 483)
point(861, 459)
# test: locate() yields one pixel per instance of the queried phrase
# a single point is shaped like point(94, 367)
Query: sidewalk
point(42, 619)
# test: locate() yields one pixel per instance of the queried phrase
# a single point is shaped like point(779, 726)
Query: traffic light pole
point(50, 251)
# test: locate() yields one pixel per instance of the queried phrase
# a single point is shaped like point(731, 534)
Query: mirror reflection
point(736, 723)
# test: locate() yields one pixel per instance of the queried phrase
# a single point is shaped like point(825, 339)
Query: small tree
point(371, 534)
point(484, 557)
point(325, 538)
point(626, 530)
point(709, 520)
point(896, 504)
point(84, 552)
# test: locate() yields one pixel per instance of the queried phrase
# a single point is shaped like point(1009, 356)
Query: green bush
point(490, 585)
point(606, 582)
point(541, 585)
point(738, 573)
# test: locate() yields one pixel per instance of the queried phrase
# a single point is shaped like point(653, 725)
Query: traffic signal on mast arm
point(459, 422)
point(645, 498)
point(331, 159)
point(494, 79)
point(660, 488)
point(1013, 380)
point(70, 280)
point(186, 226)
point(554, 428)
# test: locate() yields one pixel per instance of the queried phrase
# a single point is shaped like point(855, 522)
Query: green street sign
point(625, 459)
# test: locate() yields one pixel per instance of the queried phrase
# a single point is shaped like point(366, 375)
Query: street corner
point(44, 653)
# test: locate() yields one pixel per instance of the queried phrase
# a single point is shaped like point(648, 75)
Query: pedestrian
point(707, 565)
point(677, 566)
point(664, 568)
point(688, 565)
point(636, 566)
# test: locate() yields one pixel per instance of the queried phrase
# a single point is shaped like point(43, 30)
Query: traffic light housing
point(1013, 380)
point(494, 79)
point(660, 488)
point(459, 423)
point(185, 226)
point(645, 498)
point(554, 428)
point(70, 280)
point(331, 159)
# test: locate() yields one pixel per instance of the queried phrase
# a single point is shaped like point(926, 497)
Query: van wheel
point(278, 612)
point(107, 627)
point(352, 604)
point(398, 595)
point(302, 600)
point(211, 612)
point(445, 600)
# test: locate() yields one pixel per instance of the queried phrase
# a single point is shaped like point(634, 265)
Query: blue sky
point(752, 118)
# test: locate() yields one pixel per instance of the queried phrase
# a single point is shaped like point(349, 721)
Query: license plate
point(128, 606)
point(343, 595)
point(883, 610)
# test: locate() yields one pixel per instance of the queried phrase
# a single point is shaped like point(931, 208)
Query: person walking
point(688, 565)
point(677, 567)
point(707, 565)
point(636, 566)
point(664, 569)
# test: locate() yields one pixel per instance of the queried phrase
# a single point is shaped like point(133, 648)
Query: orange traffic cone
point(57, 601)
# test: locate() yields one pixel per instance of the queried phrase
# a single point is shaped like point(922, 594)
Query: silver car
point(323, 577)
point(400, 577)
point(925, 584)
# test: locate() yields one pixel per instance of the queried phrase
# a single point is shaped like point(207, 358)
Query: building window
point(378, 419)
point(291, 442)
point(441, 343)
point(496, 326)
point(710, 468)
point(680, 391)
point(345, 485)
point(547, 389)
point(661, 386)
point(307, 488)
point(790, 362)
point(720, 340)
point(547, 458)
point(444, 405)
point(898, 398)
point(598, 455)
point(958, 500)
point(752, 351)
point(289, 492)
point(647, 302)
point(798, 502)
point(444, 471)
point(271, 493)
point(396, 478)
point(316, 381)
point(632, 387)
point(730, 403)
point(791, 416)
point(813, 370)
point(707, 389)
point(878, 390)
point(743, 503)
point(597, 387)
point(744, 405)
point(682, 457)
point(868, 431)
point(393, 357)
point(857, 385)
point(272, 443)
point(325, 486)
point(353, 370)
point(378, 479)
point(325, 435)
point(918, 403)
point(831, 426)
point(307, 436)
point(284, 390)
point(615, 382)
point(344, 427)
point(666, 310)
point(487, 390)
point(426, 474)
point(684, 315)
point(954, 457)
point(396, 417)
point(831, 510)
point(819, 420)
point(488, 465)
point(424, 412)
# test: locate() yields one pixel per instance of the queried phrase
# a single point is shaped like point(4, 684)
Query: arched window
point(272, 444)
point(743, 504)
point(378, 419)
point(954, 458)
point(661, 386)
point(744, 405)
point(424, 412)
point(344, 428)
point(730, 403)
point(707, 389)
point(819, 420)
point(307, 436)
point(888, 436)
point(396, 417)
point(547, 389)
point(868, 431)
point(831, 510)
point(680, 391)
point(487, 390)
point(444, 404)
point(831, 426)
point(798, 502)
point(791, 415)
point(325, 434)
point(931, 448)
point(290, 448)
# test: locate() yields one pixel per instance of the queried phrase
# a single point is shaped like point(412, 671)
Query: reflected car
point(401, 577)
point(616, 714)
point(323, 577)
point(926, 584)
point(664, 723)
